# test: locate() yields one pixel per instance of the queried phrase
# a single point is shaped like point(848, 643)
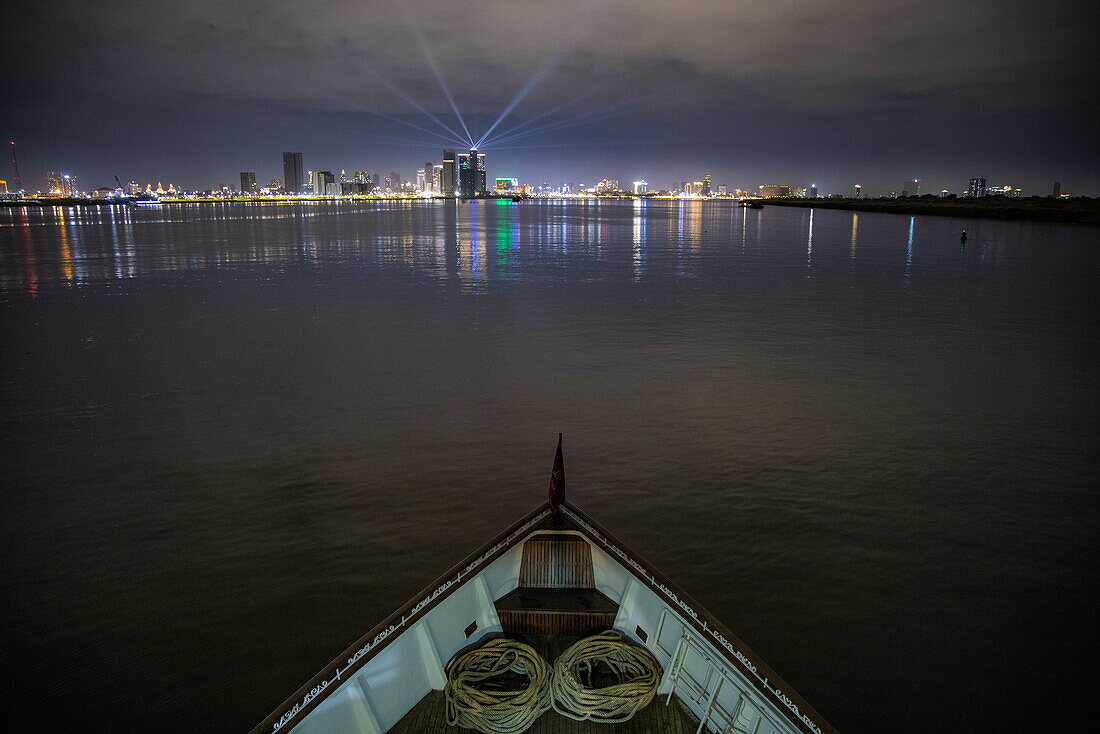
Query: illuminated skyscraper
point(640, 187)
point(429, 178)
point(293, 173)
point(53, 182)
point(705, 190)
point(813, 191)
point(324, 184)
point(248, 182)
point(448, 177)
point(471, 173)
point(977, 188)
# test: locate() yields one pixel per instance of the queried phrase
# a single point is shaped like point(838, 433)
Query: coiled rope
point(637, 671)
point(490, 709)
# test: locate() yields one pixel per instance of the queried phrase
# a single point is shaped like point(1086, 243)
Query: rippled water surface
point(236, 437)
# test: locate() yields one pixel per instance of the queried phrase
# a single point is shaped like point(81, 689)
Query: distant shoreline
point(1035, 208)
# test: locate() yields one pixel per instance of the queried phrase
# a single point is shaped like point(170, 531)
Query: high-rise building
point(448, 176)
point(858, 189)
point(429, 177)
point(705, 191)
point(772, 191)
point(1057, 191)
point(911, 187)
point(640, 187)
point(248, 182)
point(977, 188)
point(471, 173)
point(68, 185)
point(324, 183)
point(813, 191)
point(293, 173)
point(53, 182)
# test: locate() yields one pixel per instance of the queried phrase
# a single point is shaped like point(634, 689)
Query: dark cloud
point(879, 90)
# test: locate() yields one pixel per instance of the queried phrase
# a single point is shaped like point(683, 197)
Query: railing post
point(710, 705)
point(674, 669)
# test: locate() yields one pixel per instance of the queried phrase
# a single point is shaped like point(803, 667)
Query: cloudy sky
point(787, 91)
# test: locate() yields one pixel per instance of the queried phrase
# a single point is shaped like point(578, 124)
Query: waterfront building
point(324, 183)
point(813, 191)
point(693, 188)
point(911, 187)
point(976, 189)
point(773, 191)
point(1003, 191)
point(53, 182)
point(705, 189)
point(276, 184)
point(429, 178)
point(858, 189)
point(723, 190)
point(293, 173)
point(471, 173)
point(640, 187)
point(448, 177)
point(248, 182)
point(1057, 191)
point(3, 186)
point(64, 184)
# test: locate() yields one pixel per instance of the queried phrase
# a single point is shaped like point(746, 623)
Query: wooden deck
point(430, 716)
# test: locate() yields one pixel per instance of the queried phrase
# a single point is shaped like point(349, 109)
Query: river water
point(235, 437)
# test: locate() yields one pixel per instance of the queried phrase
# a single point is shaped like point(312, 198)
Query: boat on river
point(554, 625)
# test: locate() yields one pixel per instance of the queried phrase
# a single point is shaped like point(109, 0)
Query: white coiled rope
point(497, 711)
point(637, 671)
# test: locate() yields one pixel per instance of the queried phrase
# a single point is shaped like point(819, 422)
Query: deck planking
point(429, 716)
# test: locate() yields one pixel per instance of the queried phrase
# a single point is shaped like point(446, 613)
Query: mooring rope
point(637, 671)
point(497, 711)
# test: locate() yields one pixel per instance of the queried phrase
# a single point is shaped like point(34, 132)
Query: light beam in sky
point(541, 72)
point(430, 58)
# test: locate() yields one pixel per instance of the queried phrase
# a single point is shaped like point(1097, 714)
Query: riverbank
point(1080, 210)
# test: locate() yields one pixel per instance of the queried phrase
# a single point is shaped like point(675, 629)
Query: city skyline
point(453, 177)
point(761, 94)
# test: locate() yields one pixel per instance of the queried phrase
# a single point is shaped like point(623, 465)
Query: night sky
point(789, 92)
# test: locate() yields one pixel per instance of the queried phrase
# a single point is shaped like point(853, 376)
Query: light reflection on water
point(236, 436)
